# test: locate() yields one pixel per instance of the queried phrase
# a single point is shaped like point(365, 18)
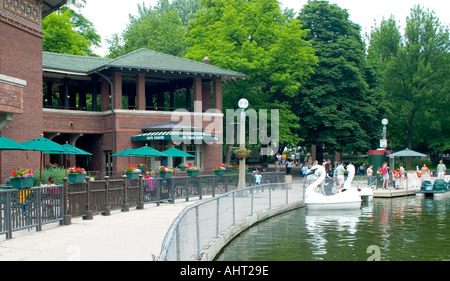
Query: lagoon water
point(399, 229)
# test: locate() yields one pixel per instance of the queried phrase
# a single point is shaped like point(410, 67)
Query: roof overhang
point(49, 6)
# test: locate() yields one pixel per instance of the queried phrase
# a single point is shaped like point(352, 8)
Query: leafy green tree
point(338, 109)
point(255, 38)
point(162, 28)
point(415, 79)
point(69, 32)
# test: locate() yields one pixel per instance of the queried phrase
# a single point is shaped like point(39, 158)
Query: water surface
point(400, 229)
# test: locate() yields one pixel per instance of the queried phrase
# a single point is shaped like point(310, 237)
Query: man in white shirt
point(441, 170)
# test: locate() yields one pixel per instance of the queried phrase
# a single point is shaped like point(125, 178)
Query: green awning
point(174, 136)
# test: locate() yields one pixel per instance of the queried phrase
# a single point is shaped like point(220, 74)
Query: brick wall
point(21, 57)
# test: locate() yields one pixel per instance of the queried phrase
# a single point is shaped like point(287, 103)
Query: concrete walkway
point(129, 236)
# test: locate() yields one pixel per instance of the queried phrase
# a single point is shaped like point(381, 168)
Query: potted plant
point(242, 153)
point(220, 170)
point(22, 178)
point(50, 166)
point(142, 167)
point(192, 170)
point(229, 168)
point(182, 167)
point(76, 174)
point(132, 172)
point(165, 172)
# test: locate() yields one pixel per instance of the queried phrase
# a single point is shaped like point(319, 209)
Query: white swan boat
point(347, 198)
point(366, 193)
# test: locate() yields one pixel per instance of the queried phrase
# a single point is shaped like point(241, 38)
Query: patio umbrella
point(175, 152)
point(406, 153)
point(7, 144)
point(146, 151)
point(42, 144)
point(78, 151)
point(124, 153)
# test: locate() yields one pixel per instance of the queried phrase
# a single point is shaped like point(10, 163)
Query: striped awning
point(174, 136)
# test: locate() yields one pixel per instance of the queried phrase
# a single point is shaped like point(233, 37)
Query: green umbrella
point(407, 153)
point(146, 151)
point(124, 153)
point(175, 152)
point(42, 144)
point(7, 144)
point(78, 151)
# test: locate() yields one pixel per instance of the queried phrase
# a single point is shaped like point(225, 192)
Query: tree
point(415, 80)
point(162, 28)
point(69, 32)
point(255, 38)
point(337, 107)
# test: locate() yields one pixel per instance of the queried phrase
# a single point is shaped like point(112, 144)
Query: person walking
point(441, 169)
point(288, 166)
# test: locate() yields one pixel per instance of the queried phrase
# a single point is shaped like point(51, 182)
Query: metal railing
point(198, 225)
point(34, 207)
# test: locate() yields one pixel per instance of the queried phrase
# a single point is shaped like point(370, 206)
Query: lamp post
point(383, 142)
point(243, 104)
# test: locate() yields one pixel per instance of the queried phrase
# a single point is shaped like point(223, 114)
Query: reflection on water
point(406, 228)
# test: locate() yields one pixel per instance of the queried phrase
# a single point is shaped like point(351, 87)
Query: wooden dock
point(391, 192)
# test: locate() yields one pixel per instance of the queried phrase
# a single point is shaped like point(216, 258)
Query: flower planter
point(76, 178)
point(182, 168)
point(132, 176)
point(219, 172)
point(165, 175)
point(242, 155)
point(229, 169)
point(192, 173)
point(20, 183)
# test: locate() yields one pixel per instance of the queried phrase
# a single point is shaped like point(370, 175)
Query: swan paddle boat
point(366, 193)
point(347, 198)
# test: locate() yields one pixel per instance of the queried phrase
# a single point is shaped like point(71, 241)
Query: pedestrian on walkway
point(370, 175)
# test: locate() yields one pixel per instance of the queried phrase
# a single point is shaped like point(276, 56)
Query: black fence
point(37, 206)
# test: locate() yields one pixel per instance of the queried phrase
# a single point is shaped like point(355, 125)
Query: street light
point(383, 142)
point(243, 104)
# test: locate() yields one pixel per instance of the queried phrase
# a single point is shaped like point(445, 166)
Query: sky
point(111, 16)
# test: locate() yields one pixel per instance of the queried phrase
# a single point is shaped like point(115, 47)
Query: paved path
point(134, 235)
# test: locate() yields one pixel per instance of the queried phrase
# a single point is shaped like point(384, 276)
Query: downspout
point(113, 123)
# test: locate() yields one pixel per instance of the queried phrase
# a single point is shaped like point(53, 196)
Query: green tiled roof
point(82, 64)
point(141, 59)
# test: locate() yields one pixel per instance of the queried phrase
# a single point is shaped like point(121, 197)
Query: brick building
point(21, 76)
point(101, 105)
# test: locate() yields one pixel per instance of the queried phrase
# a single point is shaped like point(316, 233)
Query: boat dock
point(391, 192)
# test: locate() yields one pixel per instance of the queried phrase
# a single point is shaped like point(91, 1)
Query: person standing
point(339, 171)
point(441, 169)
point(385, 174)
point(288, 166)
point(369, 175)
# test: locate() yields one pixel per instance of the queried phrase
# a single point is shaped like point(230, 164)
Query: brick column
point(197, 89)
point(117, 80)
point(140, 91)
point(217, 94)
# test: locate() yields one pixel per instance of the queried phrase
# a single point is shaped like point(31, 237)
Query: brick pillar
point(105, 93)
point(197, 89)
point(117, 80)
point(206, 95)
point(140, 91)
point(217, 94)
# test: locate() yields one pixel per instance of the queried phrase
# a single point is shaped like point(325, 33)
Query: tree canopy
point(414, 79)
point(255, 38)
point(337, 108)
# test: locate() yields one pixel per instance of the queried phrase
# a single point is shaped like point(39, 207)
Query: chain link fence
point(198, 225)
